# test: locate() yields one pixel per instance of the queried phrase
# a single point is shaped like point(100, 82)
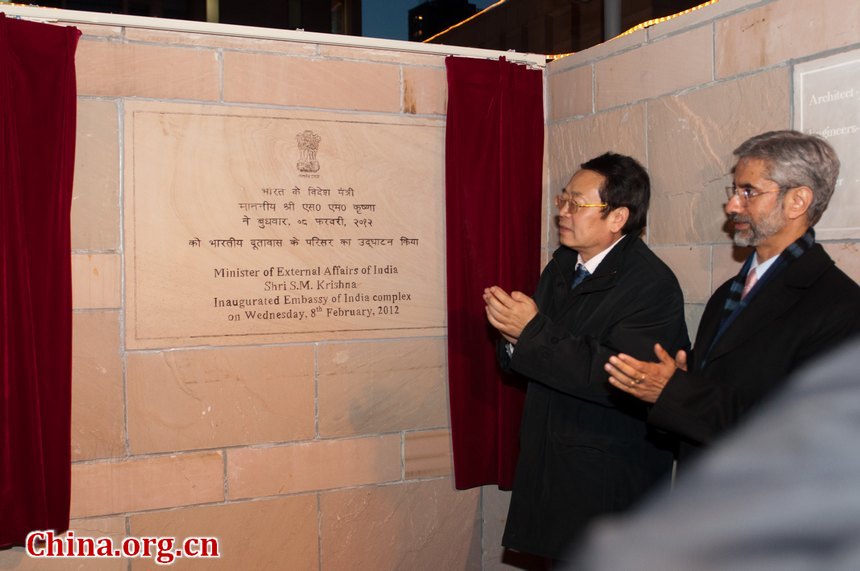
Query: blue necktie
point(580, 274)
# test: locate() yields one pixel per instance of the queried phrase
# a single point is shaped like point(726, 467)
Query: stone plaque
point(827, 103)
point(254, 226)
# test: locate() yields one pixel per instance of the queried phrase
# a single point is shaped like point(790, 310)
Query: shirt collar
point(591, 265)
point(761, 267)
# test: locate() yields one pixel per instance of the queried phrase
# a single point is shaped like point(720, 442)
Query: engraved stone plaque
point(827, 103)
point(254, 226)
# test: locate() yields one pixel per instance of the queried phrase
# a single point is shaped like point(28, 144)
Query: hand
point(680, 359)
point(509, 313)
point(644, 380)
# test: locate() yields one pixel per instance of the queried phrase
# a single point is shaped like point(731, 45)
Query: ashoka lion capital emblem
point(309, 144)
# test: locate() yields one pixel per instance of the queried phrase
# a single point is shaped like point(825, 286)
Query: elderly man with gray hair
point(788, 304)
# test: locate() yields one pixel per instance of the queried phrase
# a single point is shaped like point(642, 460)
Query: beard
point(757, 231)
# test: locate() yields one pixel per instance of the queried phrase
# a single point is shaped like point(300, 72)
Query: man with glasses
point(585, 448)
point(788, 304)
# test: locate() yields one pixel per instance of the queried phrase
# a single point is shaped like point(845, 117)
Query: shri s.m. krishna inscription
point(245, 226)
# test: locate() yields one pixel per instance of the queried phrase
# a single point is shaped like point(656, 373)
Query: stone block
point(666, 66)
point(782, 31)
point(420, 526)
point(425, 90)
point(96, 281)
point(185, 400)
point(278, 80)
point(726, 262)
point(847, 257)
point(570, 93)
point(692, 267)
point(97, 389)
point(270, 534)
point(110, 68)
point(140, 484)
point(319, 465)
point(95, 198)
point(427, 454)
point(693, 316)
point(385, 386)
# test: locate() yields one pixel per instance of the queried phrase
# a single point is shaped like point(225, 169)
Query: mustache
point(735, 218)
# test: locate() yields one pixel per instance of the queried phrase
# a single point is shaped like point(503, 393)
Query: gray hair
point(795, 159)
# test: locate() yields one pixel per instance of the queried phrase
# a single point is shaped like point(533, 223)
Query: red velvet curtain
point(493, 162)
point(37, 125)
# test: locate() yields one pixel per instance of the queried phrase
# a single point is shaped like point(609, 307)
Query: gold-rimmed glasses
point(562, 202)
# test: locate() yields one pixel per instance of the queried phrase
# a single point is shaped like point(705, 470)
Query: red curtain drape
point(493, 162)
point(37, 125)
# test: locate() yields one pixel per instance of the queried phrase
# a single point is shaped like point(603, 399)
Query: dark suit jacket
point(806, 309)
point(585, 448)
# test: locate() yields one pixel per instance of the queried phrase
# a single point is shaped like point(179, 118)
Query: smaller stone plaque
point(827, 103)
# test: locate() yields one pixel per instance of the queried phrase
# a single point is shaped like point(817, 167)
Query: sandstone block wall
point(319, 454)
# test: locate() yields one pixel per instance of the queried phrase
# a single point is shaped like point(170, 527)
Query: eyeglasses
point(746, 193)
point(561, 203)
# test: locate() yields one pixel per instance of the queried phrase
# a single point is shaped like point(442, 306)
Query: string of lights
point(642, 26)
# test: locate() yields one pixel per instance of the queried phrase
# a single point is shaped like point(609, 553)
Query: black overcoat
point(585, 448)
point(804, 310)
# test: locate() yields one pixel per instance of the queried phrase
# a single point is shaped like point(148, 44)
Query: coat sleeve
point(502, 355)
point(696, 408)
point(700, 407)
point(547, 352)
